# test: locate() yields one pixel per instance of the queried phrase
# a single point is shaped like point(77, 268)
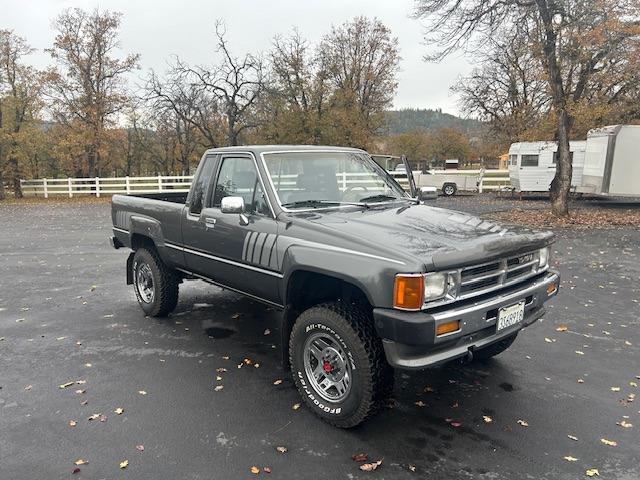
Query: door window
point(203, 178)
point(238, 177)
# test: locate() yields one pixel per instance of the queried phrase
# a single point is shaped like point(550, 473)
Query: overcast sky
point(162, 28)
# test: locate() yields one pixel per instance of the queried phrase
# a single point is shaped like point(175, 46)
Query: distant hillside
point(409, 119)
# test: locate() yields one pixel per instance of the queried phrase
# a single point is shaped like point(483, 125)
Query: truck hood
point(437, 237)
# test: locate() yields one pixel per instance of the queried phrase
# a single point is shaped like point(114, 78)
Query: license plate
point(509, 316)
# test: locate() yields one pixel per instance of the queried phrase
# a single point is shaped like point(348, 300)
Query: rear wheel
point(495, 348)
point(449, 189)
point(338, 363)
point(155, 284)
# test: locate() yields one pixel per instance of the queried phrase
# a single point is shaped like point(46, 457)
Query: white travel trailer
point(612, 161)
point(532, 165)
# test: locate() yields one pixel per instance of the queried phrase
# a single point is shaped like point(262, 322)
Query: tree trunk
point(561, 184)
point(15, 177)
point(3, 195)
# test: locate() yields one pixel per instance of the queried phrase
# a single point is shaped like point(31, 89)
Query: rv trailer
point(612, 161)
point(532, 165)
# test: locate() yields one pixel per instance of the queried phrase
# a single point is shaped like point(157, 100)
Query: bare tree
point(88, 84)
point(572, 39)
point(236, 82)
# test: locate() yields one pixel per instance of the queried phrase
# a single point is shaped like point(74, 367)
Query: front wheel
point(155, 284)
point(338, 363)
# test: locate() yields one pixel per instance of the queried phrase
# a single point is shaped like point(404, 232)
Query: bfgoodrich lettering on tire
point(338, 364)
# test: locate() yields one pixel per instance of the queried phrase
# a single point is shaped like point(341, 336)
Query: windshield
point(313, 179)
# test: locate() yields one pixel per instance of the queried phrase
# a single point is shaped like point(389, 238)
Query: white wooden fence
point(46, 187)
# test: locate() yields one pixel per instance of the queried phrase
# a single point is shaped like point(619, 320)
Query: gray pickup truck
point(368, 277)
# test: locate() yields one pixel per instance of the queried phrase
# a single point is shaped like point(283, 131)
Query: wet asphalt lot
point(67, 315)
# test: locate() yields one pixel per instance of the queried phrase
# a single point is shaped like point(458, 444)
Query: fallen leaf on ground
point(80, 391)
point(218, 378)
point(455, 424)
point(615, 389)
point(487, 418)
point(370, 467)
point(103, 418)
point(72, 423)
point(81, 461)
point(296, 406)
point(579, 352)
point(624, 424)
point(140, 448)
point(592, 472)
point(84, 402)
point(81, 382)
point(523, 423)
point(75, 470)
point(277, 382)
point(412, 468)
point(119, 411)
point(267, 332)
point(266, 469)
point(65, 385)
point(611, 443)
point(548, 340)
point(95, 416)
point(359, 457)
point(124, 464)
point(420, 403)
point(255, 470)
point(575, 439)
point(561, 328)
point(580, 380)
point(221, 370)
point(28, 387)
point(218, 388)
point(569, 458)
point(142, 392)
point(281, 449)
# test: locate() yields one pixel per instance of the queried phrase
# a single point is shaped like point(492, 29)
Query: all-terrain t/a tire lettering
point(350, 343)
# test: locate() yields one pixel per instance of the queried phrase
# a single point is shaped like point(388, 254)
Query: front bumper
point(410, 341)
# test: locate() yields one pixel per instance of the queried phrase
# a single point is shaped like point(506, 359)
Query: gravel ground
point(66, 315)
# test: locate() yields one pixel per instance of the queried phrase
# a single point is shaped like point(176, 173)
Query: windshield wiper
point(320, 203)
point(381, 198)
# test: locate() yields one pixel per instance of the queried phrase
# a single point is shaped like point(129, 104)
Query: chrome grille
point(476, 279)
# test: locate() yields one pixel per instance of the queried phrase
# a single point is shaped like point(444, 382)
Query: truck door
point(237, 251)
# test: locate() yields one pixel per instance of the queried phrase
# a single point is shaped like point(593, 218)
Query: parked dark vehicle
point(367, 276)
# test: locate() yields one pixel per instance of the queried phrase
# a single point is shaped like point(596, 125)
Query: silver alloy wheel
point(327, 367)
point(448, 190)
point(144, 283)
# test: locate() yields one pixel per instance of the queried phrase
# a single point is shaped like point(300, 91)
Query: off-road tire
point(495, 348)
point(449, 189)
point(165, 283)
point(351, 326)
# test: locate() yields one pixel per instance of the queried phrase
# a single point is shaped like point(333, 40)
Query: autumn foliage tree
point(87, 86)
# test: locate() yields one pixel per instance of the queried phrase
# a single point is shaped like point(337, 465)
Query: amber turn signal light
point(408, 293)
point(448, 327)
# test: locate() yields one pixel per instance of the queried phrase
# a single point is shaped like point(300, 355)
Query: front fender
point(374, 276)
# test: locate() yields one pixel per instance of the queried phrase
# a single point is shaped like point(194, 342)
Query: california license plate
point(509, 316)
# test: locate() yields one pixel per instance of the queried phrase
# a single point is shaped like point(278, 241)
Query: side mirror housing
point(232, 205)
point(427, 193)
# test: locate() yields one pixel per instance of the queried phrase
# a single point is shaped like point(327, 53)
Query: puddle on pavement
point(219, 332)
point(507, 387)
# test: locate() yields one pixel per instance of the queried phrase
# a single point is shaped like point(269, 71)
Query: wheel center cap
point(327, 367)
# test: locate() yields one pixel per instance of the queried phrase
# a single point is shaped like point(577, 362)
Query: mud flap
point(130, 268)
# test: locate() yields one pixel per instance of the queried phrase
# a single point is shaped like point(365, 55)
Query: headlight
point(543, 257)
point(435, 285)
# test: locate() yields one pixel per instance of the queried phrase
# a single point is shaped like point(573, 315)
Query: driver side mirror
point(427, 193)
point(234, 205)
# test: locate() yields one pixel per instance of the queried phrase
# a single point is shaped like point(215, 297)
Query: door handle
point(209, 223)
